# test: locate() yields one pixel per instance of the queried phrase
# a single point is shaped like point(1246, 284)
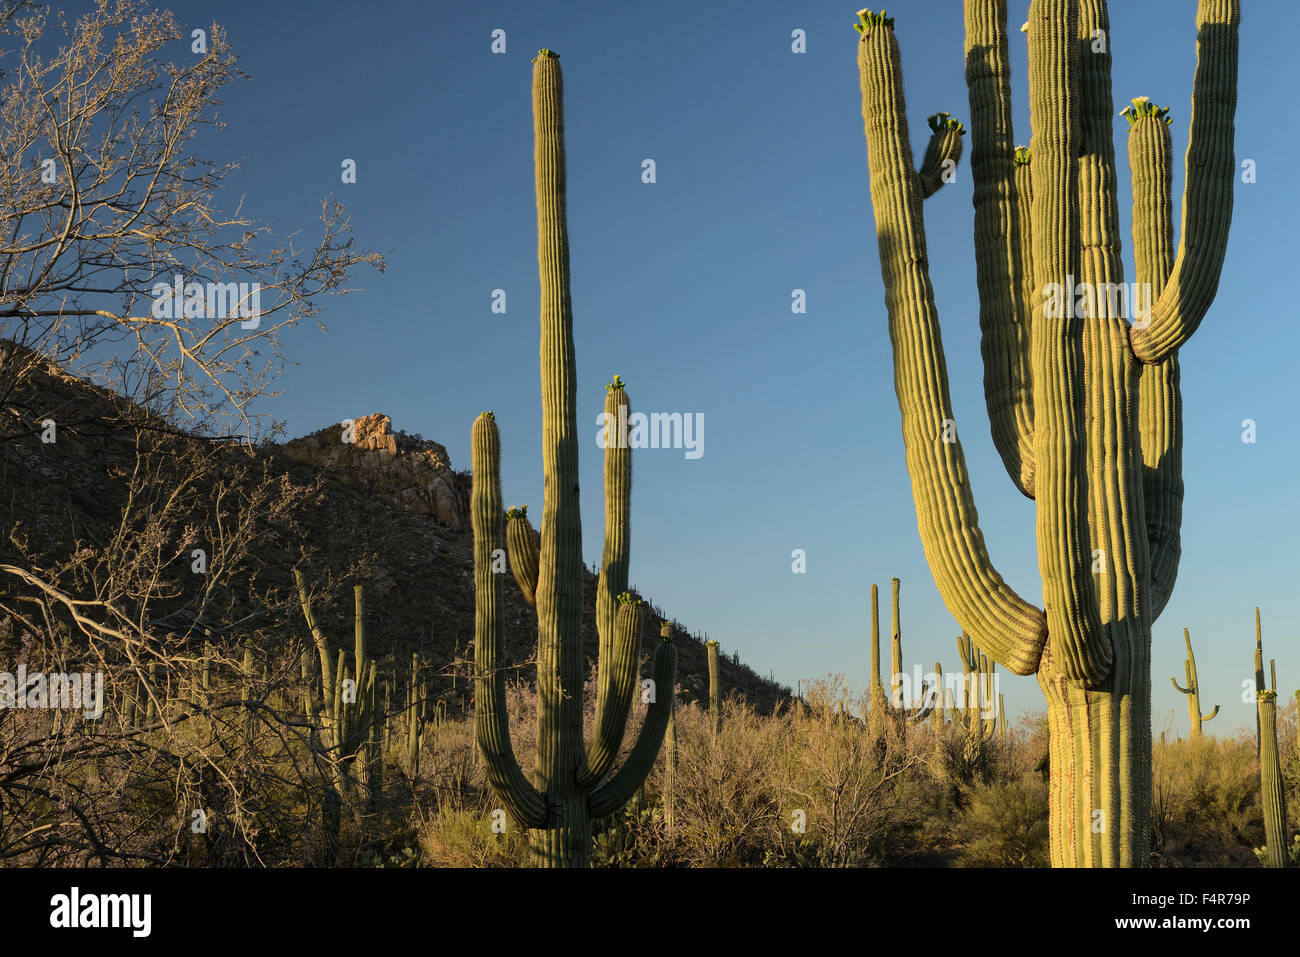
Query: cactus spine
point(715, 688)
point(573, 783)
point(1077, 409)
point(1193, 690)
point(1271, 786)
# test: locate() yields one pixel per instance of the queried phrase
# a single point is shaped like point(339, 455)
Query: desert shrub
point(1206, 796)
point(842, 774)
point(635, 836)
point(1004, 825)
point(728, 810)
point(466, 839)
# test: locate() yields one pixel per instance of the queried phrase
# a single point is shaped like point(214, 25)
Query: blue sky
point(684, 288)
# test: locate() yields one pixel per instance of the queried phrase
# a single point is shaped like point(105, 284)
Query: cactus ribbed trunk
point(1272, 790)
point(1092, 433)
point(670, 769)
point(560, 751)
point(715, 689)
point(895, 650)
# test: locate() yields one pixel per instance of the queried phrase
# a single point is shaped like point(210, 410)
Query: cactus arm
point(617, 650)
point(491, 721)
point(972, 589)
point(521, 546)
point(1112, 451)
point(944, 149)
point(1207, 717)
point(615, 792)
point(1174, 681)
point(1207, 192)
point(317, 636)
point(338, 713)
point(1259, 654)
point(359, 630)
point(926, 707)
point(1001, 234)
point(1160, 403)
point(969, 662)
point(618, 668)
point(1080, 650)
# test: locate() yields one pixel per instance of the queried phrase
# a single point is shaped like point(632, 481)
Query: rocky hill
point(385, 508)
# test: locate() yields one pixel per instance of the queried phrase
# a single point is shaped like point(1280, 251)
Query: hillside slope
point(386, 509)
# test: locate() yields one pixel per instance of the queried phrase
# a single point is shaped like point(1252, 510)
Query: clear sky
point(684, 288)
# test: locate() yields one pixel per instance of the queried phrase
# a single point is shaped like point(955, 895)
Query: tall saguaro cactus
point(1084, 406)
point(572, 783)
point(1193, 690)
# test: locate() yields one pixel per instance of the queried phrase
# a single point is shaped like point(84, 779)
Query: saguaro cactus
point(1193, 690)
point(573, 784)
point(1272, 790)
point(876, 694)
point(1084, 408)
point(715, 688)
point(895, 649)
point(346, 706)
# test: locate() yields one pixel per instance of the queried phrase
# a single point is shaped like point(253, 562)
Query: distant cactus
point(1276, 852)
point(876, 696)
point(343, 704)
point(715, 688)
point(1193, 690)
point(895, 649)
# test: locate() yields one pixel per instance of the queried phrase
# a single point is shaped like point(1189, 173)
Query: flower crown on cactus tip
point(944, 121)
point(867, 21)
point(1142, 106)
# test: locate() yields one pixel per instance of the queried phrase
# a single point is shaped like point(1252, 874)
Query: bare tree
point(115, 256)
point(118, 265)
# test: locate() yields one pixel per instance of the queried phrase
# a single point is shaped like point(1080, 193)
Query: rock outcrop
point(403, 469)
